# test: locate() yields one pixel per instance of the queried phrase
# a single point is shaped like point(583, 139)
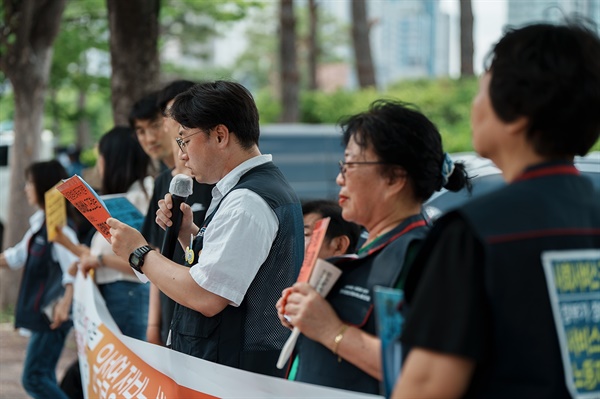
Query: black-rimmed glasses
point(344, 164)
point(182, 142)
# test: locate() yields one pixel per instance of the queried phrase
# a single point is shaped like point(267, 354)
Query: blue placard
point(389, 326)
point(573, 279)
point(121, 208)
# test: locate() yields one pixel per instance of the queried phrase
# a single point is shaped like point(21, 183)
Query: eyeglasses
point(183, 143)
point(344, 164)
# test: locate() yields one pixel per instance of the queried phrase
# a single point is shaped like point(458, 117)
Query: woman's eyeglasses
point(344, 164)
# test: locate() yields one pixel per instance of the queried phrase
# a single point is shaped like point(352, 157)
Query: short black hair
point(170, 91)
point(338, 226)
point(208, 104)
point(549, 74)
point(402, 136)
point(44, 176)
point(146, 108)
point(125, 162)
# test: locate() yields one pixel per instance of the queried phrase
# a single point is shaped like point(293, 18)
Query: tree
point(134, 57)
point(362, 46)
point(288, 60)
point(80, 72)
point(466, 38)
point(313, 45)
point(30, 27)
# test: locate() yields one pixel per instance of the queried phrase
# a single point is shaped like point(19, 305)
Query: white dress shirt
point(238, 239)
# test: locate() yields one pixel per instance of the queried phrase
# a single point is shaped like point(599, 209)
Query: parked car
point(486, 177)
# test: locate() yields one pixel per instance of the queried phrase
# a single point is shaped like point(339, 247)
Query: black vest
point(40, 285)
point(352, 299)
point(550, 208)
point(250, 337)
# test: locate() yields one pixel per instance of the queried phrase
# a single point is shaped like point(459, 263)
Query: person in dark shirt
point(393, 162)
point(484, 293)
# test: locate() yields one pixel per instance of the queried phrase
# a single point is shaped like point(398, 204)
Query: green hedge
point(446, 102)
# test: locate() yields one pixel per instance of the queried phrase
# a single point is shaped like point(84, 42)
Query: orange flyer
point(85, 199)
point(312, 251)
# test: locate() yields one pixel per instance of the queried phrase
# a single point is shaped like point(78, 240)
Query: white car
point(486, 177)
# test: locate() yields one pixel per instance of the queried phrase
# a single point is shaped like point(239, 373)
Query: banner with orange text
point(115, 366)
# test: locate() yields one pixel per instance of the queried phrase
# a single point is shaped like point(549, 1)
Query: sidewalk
point(12, 354)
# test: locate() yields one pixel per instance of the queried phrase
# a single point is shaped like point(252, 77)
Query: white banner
point(115, 366)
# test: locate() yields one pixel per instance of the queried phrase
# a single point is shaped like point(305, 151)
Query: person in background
point(160, 310)
point(146, 119)
point(341, 236)
point(483, 318)
point(393, 162)
point(123, 168)
point(340, 240)
point(249, 247)
point(46, 286)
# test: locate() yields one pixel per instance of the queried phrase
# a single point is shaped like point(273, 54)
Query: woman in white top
point(46, 291)
point(123, 168)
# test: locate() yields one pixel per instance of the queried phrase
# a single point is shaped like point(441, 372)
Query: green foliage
point(446, 102)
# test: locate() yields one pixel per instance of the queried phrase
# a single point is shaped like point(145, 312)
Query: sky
point(489, 16)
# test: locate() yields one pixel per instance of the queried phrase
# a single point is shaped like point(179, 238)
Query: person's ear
point(340, 245)
point(221, 134)
point(518, 126)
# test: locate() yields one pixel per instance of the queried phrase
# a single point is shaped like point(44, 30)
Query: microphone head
point(181, 185)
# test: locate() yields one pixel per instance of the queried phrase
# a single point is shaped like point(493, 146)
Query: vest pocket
point(196, 335)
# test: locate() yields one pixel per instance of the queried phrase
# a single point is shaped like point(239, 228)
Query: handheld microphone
point(180, 188)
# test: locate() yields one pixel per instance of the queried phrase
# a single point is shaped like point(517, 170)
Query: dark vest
point(550, 208)
point(352, 299)
point(40, 285)
point(250, 337)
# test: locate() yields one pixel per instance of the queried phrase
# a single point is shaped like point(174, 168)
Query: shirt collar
point(37, 220)
point(224, 185)
point(548, 169)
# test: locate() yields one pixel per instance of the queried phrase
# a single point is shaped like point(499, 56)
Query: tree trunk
point(289, 66)
point(34, 25)
point(83, 133)
point(313, 46)
point(466, 38)
point(362, 46)
point(135, 64)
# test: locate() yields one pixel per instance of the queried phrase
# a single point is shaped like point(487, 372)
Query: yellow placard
point(56, 212)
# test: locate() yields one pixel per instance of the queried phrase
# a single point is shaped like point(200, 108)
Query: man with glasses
point(249, 248)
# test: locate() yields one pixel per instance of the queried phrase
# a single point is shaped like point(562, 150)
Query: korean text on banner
point(113, 365)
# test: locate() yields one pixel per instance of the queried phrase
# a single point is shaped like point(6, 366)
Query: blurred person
point(481, 321)
point(46, 280)
point(146, 119)
point(160, 310)
point(341, 236)
point(123, 168)
point(247, 250)
point(393, 162)
point(340, 239)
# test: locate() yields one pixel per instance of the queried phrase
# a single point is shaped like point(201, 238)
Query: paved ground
point(12, 353)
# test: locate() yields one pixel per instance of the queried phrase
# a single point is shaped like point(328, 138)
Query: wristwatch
point(136, 259)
